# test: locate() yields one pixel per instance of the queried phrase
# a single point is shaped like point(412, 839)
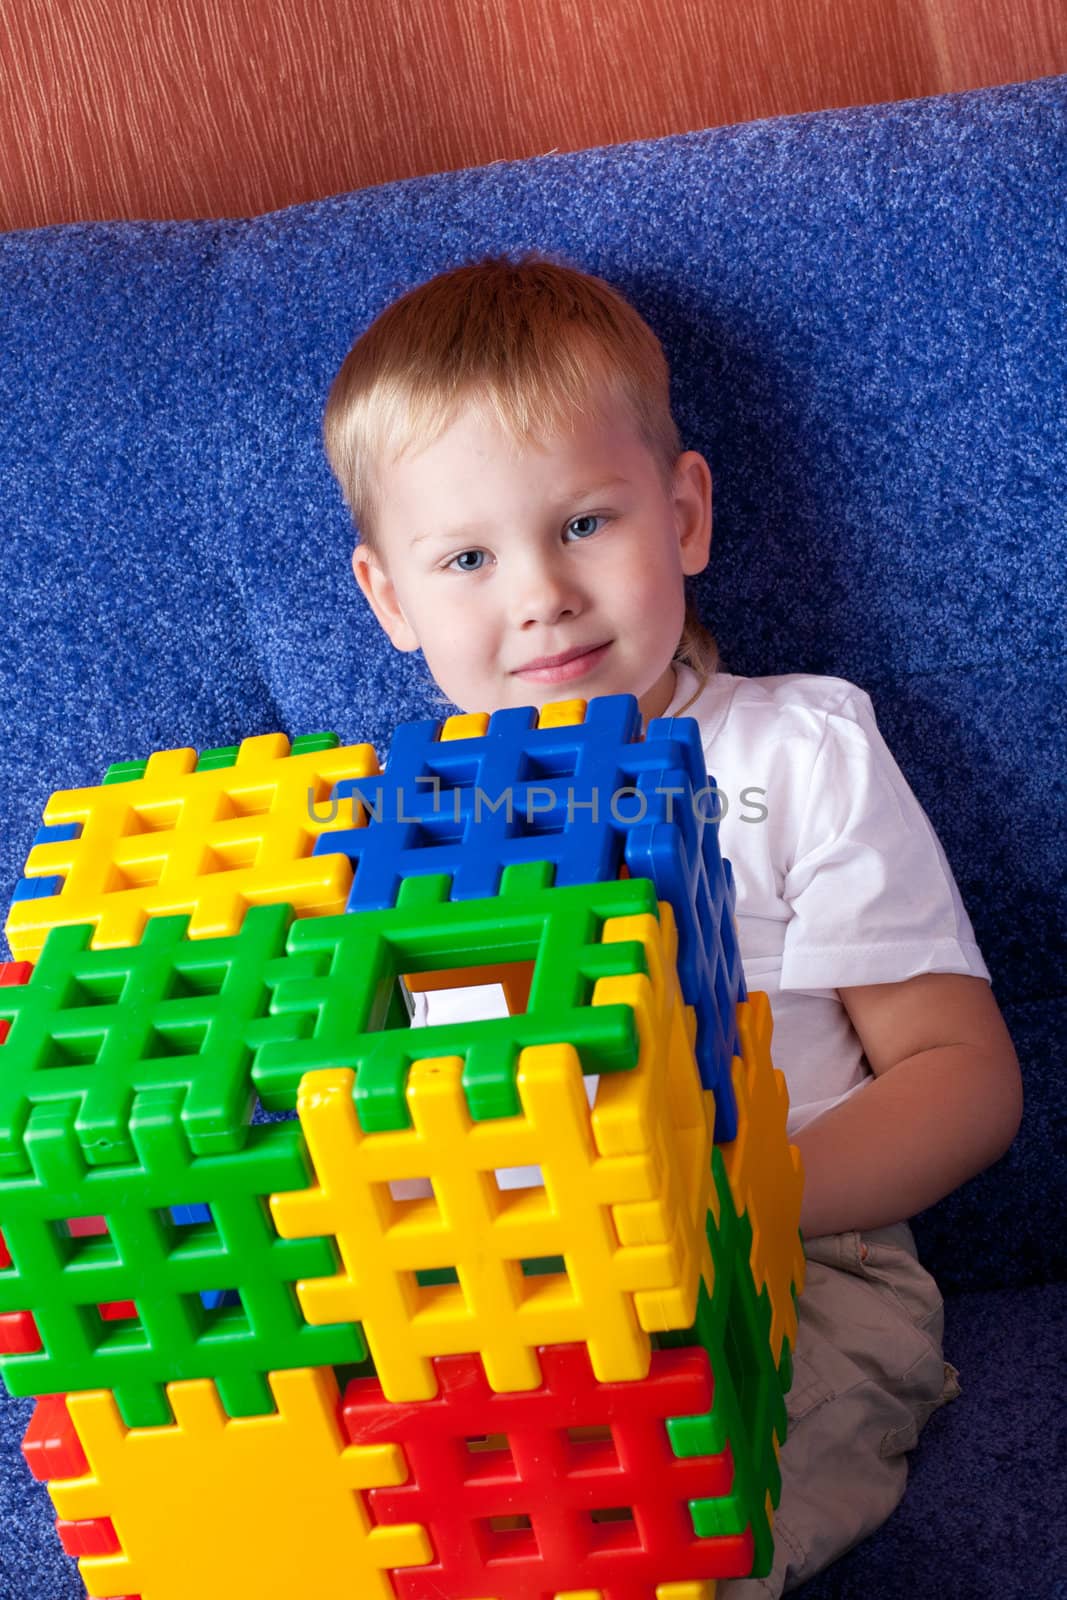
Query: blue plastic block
point(36, 888)
point(587, 798)
point(55, 832)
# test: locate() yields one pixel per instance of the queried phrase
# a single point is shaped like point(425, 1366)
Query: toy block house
point(319, 1301)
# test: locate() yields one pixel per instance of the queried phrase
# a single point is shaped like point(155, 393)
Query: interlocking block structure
point(175, 837)
point(270, 1505)
point(577, 786)
point(604, 991)
point(53, 1335)
point(499, 1310)
point(748, 1416)
point(349, 969)
point(576, 1483)
point(621, 1206)
point(765, 1174)
point(102, 1028)
point(573, 1486)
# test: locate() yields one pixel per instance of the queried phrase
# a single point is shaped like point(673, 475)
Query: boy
point(528, 520)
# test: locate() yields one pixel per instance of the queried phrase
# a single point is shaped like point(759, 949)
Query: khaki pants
point(868, 1370)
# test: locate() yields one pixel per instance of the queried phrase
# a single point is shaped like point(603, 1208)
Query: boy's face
point(496, 553)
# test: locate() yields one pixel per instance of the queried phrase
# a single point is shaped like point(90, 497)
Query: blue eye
point(460, 558)
point(583, 533)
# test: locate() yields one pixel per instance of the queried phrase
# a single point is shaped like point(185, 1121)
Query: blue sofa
point(864, 314)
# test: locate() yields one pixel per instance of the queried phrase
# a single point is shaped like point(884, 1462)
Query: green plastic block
point(748, 1411)
point(358, 959)
point(433, 1277)
point(161, 1266)
point(305, 743)
point(124, 771)
point(222, 756)
point(218, 1019)
point(98, 1028)
point(543, 1266)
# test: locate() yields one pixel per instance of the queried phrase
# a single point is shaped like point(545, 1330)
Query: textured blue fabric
point(863, 312)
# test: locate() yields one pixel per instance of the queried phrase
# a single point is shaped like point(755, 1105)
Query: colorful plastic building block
point(202, 843)
point(765, 1174)
point(55, 1338)
point(748, 1417)
point(623, 1201)
point(347, 968)
point(550, 1259)
point(270, 1505)
point(100, 1029)
point(581, 790)
point(569, 1487)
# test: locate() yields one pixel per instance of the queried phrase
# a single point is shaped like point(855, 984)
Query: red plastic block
point(53, 1450)
point(91, 1228)
point(12, 972)
point(18, 1334)
point(117, 1310)
point(5, 1253)
point(569, 1487)
point(89, 1536)
point(86, 1227)
point(50, 1444)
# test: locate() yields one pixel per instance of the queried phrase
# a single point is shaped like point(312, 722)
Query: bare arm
point(945, 1103)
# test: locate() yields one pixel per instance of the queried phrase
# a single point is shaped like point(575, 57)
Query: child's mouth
point(575, 668)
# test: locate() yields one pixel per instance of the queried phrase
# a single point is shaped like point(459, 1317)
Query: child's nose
point(542, 592)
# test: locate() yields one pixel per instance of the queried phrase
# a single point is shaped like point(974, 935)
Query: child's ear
point(692, 504)
point(378, 588)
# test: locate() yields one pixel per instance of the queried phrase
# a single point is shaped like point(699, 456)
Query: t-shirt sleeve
point(872, 896)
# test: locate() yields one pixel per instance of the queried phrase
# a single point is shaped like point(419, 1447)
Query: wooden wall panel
point(193, 108)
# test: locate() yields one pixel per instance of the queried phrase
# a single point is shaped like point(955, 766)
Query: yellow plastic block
point(206, 844)
point(562, 713)
point(701, 1589)
point(475, 724)
point(668, 1114)
point(218, 1506)
point(624, 1200)
point(765, 1171)
point(465, 725)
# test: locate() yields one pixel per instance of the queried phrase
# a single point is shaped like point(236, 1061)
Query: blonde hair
point(535, 343)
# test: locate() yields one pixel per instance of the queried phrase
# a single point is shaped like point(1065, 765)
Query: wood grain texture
point(197, 108)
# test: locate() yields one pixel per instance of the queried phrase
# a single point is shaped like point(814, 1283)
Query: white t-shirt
point(840, 877)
